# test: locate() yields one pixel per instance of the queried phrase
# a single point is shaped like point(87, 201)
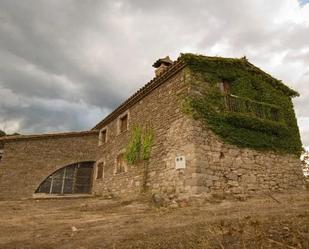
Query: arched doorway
point(72, 179)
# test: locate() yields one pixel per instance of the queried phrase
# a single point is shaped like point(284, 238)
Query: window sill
point(61, 196)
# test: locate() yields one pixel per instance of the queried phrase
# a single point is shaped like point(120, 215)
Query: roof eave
point(49, 135)
point(144, 91)
point(284, 88)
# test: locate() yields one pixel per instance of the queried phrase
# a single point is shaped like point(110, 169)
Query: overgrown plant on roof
point(252, 88)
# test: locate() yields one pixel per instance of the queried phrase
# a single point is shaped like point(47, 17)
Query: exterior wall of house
point(221, 167)
point(161, 110)
point(27, 162)
point(211, 165)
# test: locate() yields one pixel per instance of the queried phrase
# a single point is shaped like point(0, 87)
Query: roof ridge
point(293, 93)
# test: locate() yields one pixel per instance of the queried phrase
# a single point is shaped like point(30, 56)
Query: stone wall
point(226, 168)
point(161, 110)
point(27, 162)
point(211, 165)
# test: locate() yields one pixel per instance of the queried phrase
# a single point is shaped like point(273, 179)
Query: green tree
point(2, 133)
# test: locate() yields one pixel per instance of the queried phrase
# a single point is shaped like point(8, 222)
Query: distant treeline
point(2, 134)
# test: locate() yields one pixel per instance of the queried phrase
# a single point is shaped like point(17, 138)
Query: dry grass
point(97, 223)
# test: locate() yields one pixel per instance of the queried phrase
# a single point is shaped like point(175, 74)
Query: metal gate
point(72, 179)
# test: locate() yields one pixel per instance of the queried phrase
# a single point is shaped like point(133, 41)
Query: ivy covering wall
point(140, 145)
point(250, 85)
point(139, 150)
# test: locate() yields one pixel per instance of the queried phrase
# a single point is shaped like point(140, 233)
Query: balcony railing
point(261, 110)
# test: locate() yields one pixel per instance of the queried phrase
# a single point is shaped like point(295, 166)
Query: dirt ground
point(94, 223)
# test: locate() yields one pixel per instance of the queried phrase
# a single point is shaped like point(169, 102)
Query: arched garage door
point(72, 179)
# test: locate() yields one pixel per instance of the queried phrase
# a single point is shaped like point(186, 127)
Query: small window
point(120, 164)
point(225, 87)
point(123, 126)
point(103, 136)
point(100, 170)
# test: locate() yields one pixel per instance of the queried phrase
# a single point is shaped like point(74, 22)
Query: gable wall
point(237, 170)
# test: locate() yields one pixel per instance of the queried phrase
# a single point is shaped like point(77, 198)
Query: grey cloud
point(305, 139)
point(302, 102)
point(44, 115)
point(88, 56)
point(44, 36)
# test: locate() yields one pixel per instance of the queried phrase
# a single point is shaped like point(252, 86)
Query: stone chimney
point(161, 64)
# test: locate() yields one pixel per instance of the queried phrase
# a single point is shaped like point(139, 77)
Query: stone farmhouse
point(218, 125)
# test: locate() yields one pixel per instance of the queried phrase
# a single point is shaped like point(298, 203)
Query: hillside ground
point(270, 221)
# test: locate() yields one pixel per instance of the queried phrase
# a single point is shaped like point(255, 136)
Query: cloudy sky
point(65, 64)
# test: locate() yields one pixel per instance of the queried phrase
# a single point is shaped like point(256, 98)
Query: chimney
point(161, 64)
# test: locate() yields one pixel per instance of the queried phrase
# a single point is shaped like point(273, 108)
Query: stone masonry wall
point(226, 168)
point(211, 165)
point(161, 110)
point(27, 162)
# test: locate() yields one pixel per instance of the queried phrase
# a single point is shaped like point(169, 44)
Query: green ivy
point(139, 146)
point(147, 142)
point(133, 150)
point(250, 84)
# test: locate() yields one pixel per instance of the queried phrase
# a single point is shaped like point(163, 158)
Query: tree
point(2, 133)
point(14, 134)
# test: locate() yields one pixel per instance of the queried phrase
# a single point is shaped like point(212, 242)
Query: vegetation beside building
point(2, 133)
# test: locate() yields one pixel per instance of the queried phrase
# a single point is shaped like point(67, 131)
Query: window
point(225, 87)
point(103, 136)
point(120, 164)
point(73, 179)
point(123, 123)
point(100, 170)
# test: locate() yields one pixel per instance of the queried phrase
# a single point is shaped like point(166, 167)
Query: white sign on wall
point(180, 162)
